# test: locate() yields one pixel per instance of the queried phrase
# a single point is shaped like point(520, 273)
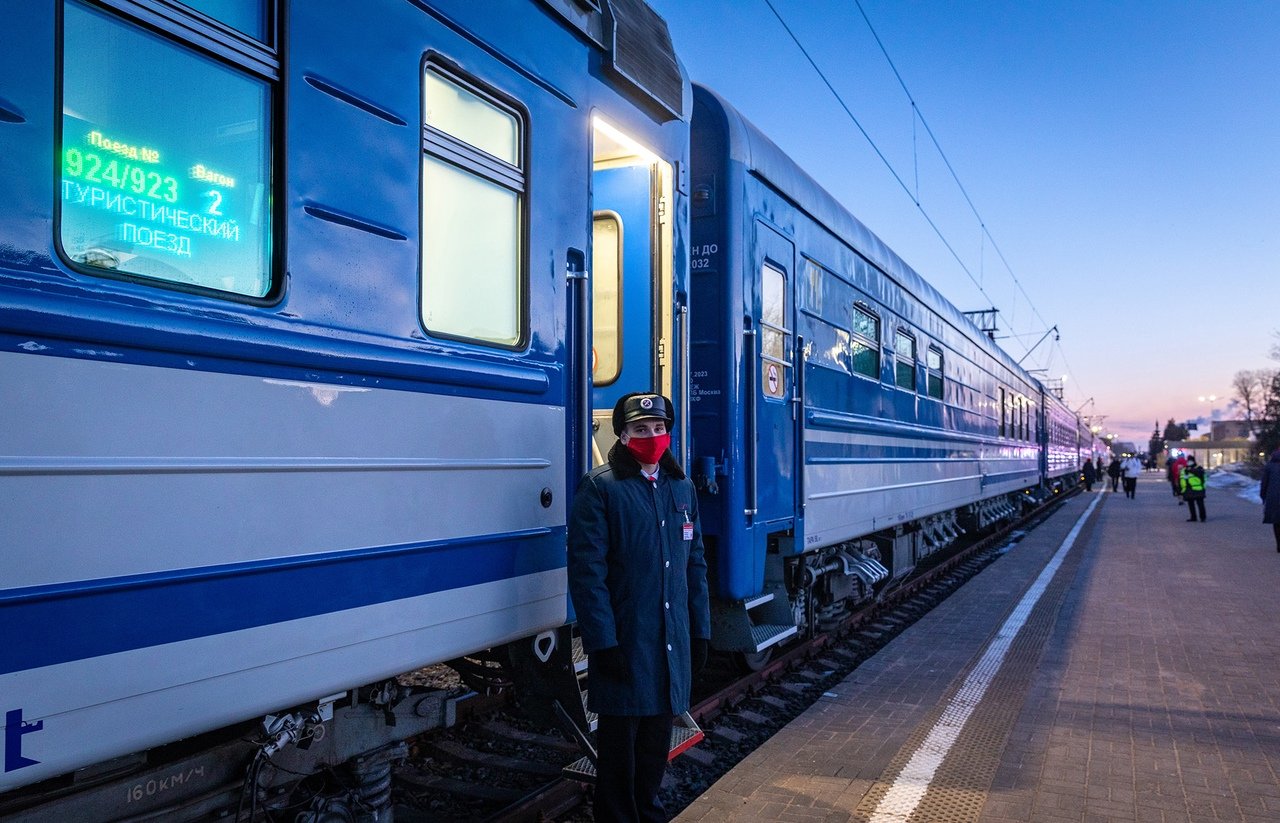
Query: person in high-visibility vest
point(1191, 484)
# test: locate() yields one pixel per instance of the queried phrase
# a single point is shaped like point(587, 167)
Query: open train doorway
point(632, 336)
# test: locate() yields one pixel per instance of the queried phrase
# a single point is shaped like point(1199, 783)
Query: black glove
point(611, 662)
point(698, 648)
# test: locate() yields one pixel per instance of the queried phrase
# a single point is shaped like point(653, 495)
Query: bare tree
point(1251, 387)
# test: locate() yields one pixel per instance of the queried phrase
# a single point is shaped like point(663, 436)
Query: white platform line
point(913, 781)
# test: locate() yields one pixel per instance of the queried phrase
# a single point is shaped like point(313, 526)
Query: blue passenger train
point(309, 326)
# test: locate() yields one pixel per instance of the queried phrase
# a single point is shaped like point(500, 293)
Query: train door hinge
point(662, 210)
point(662, 352)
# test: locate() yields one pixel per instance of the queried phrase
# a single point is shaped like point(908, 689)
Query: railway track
point(495, 766)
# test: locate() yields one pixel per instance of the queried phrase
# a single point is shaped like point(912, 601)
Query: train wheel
point(753, 661)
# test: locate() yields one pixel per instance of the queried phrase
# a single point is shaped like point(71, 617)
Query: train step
point(765, 635)
point(683, 737)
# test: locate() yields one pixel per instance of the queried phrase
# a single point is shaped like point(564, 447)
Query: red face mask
point(648, 449)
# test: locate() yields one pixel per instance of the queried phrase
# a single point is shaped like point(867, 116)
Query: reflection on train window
point(773, 332)
point(933, 362)
point(473, 188)
point(1004, 413)
point(606, 305)
point(904, 372)
point(152, 185)
point(248, 16)
point(865, 346)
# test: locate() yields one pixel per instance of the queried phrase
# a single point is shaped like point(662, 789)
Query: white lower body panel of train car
point(186, 549)
point(872, 482)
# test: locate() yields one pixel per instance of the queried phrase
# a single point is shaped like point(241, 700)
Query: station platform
point(1117, 664)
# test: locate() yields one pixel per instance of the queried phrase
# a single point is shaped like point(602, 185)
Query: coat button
point(667, 564)
point(662, 523)
point(668, 647)
point(666, 605)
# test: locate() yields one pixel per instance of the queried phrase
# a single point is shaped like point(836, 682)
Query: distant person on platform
point(638, 579)
point(1175, 475)
point(1090, 475)
point(1191, 482)
point(1131, 468)
point(1271, 494)
point(1098, 470)
point(1113, 471)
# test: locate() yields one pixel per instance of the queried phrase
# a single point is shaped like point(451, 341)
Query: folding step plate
point(683, 737)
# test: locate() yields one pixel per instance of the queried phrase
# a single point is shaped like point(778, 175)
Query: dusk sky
point(1123, 156)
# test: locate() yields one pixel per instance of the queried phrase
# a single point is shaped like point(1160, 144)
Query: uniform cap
point(633, 407)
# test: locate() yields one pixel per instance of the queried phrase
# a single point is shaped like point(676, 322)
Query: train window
point(774, 362)
point(933, 362)
point(606, 303)
point(247, 16)
point(904, 372)
point(865, 345)
point(1004, 413)
point(472, 211)
point(468, 117)
point(153, 186)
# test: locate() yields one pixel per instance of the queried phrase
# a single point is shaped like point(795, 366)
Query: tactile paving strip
point(959, 787)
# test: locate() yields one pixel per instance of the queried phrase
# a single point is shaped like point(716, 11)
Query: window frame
point(939, 372)
point(768, 267)
point(190, 30)
point(476, 161)
point(872, 344)
point(618, 349)
point(900, 360)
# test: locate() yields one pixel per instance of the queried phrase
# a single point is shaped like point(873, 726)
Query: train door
point(772, 402)
point(631, 278)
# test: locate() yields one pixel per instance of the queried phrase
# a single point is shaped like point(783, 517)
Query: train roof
point(751, 147)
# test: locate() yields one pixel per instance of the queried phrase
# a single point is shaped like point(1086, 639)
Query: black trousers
point(1130, 486)
point(1194, 503)
point(632, 759)
point(1115, 480)
point(1275, 527)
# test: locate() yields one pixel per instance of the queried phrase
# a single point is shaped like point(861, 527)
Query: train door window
point(1004, 413)
point(167, 180)
point(606, 297)
point(473, 191)
point(774, 334)
point(933, 363)
point(865, 345)
point(904, 372)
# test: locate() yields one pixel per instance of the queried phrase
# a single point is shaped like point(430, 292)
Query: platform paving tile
point(1156, 697)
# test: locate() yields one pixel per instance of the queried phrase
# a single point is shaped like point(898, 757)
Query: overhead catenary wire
point(852, 117)
point(985, 234)
point(917, 113)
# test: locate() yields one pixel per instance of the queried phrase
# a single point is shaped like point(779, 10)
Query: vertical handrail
point(749, 385)
point(578, 280)
point(799, 360)
point(685, 373)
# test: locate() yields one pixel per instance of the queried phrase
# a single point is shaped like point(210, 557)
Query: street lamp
point(1211, 399)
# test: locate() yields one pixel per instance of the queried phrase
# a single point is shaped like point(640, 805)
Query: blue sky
point(1124, 156)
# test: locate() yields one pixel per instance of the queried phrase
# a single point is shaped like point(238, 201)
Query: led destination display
point(152, 187)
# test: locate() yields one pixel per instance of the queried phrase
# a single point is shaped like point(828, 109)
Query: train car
point(297, 356)
point(1064, 443)
point(847, 420)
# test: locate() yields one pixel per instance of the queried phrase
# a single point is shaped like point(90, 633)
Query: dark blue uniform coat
point(1271, 489)
point(637, 583)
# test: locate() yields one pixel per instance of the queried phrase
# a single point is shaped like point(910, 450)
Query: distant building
point(1229, 441)
point(1231, 430)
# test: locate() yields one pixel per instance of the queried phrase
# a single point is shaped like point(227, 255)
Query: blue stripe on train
point(47, 625)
